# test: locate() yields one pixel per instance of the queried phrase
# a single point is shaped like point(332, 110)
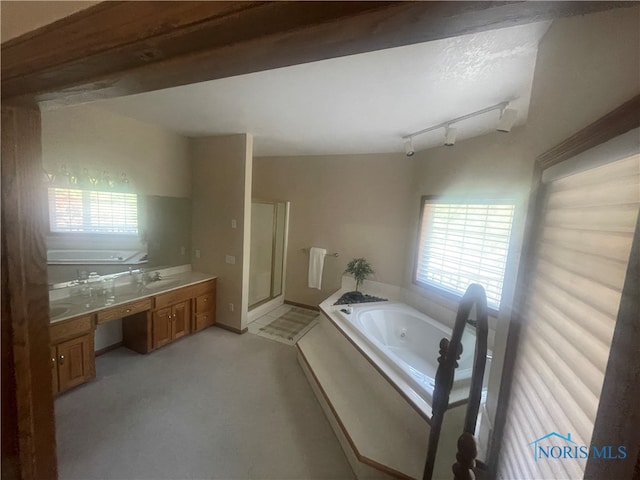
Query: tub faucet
point(347, 309)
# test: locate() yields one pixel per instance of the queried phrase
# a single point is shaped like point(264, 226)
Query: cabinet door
point(181, 320)
point(54, 370)
point(161, 327)
point(75, 362)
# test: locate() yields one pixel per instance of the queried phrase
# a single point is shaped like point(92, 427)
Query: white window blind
point(572, 302)
point(87, 211)
point(461, 244)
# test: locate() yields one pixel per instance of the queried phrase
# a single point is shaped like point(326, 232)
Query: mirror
point(153, 232)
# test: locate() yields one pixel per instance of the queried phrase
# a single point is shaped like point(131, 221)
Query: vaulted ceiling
point(356, 104)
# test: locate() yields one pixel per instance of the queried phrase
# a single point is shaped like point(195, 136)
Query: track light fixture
point(508, 117)
point(450, 136)
point(408, 147)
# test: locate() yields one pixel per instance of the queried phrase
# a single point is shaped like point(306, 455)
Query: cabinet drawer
point(204, 303)
point(120, 311)
point(184, 294)
point(175, 296)
point(204, 288)
point(70, 328)
point(204, 320)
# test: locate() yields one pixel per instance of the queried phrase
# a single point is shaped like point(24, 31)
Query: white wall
point(353, 205)
point(587, 66)
point(221, 168)
point(21, 17)
point(87, 136)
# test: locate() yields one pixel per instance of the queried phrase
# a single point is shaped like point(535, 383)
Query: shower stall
point(269, 228)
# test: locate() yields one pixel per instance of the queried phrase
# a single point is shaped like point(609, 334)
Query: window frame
point(462, 200)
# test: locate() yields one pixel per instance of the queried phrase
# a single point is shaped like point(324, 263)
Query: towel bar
point(306, 250)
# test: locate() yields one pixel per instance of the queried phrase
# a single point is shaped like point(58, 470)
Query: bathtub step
point(382, 429)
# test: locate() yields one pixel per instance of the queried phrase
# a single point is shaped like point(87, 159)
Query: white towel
point(316, 264)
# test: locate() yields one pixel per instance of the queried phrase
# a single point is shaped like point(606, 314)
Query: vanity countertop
point(73, 306)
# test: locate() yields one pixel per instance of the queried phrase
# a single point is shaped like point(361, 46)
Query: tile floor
point(254, 327)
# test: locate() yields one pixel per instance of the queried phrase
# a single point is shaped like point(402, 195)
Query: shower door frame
point(273, 249)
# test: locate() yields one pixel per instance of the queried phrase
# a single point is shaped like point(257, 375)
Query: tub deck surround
point(382, 432)
point(373, 369)
point(63, 306)
point(378, 429)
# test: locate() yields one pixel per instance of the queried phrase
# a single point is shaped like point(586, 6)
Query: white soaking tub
point(408, 342)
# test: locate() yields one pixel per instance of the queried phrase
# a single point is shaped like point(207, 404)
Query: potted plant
point(360, 268)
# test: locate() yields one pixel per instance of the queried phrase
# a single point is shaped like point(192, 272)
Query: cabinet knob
point(205, 300)
point(61, 359)
point(128, 310)
point(53, 362)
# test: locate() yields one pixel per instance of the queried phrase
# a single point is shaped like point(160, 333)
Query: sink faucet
point(148, 277)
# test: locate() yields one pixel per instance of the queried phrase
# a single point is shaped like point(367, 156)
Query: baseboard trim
point(232, 329)
point(302, 305)
point(104, 350)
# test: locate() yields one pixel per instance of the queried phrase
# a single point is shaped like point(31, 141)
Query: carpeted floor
point(211, 405)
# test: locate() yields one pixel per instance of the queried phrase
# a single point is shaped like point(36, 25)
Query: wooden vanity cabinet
point(55, 387)
point(173, 315)
point(205, 306)
point(160, 328)
point(170, 323)
point(72, 353)
point(125, 310)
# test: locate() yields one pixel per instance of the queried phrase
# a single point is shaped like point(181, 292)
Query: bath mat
point(290, 326)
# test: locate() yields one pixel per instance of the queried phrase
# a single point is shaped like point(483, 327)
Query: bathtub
point(408, 341)
point(372, 367)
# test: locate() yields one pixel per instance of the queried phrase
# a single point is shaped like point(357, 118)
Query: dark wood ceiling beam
point(121, 48)
point(105, 27)
point(122, 36)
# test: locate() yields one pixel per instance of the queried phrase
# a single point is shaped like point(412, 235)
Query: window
point(464, 243)
point(87, 211)
point(583, 237)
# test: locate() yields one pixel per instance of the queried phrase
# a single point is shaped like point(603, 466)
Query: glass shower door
point(266, 265)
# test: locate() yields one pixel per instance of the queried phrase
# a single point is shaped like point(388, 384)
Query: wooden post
point(465, 458)
point(28, 427)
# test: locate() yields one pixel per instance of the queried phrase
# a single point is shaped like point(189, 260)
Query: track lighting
point(408, 147)
point(508, 117)
point(450, 136)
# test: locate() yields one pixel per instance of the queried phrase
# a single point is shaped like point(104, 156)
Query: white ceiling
point(357, 104)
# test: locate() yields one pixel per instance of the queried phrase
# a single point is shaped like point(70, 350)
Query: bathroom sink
point(59, 311)
point(160, 284)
